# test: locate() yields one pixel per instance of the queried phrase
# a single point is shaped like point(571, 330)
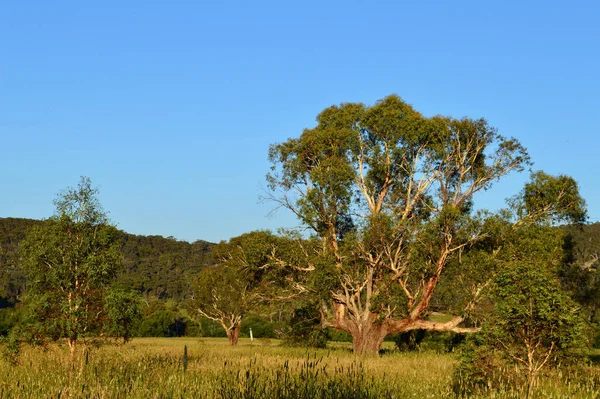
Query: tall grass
point(154, 368)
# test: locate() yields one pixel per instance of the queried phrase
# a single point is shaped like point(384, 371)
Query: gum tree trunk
point(368, 331)
point(233, 334)
point(367, 338)
point(72, 342)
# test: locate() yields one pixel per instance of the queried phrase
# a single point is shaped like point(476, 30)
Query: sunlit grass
point(152, 368)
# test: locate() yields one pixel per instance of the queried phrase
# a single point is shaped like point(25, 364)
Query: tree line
point(153, 266)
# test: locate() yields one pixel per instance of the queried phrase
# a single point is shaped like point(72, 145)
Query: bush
point(210, 328)
point(480, 368)
point(305, 329)
point(338, 335)
point(11, 348)
point(123, 309)
point(162, 323)
point(8, 319)
point(422, 340)
point(261, 328)
point(596, 344)
point(533, 326)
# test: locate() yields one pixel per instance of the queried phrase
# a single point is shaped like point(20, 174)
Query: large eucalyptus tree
point(390, 194)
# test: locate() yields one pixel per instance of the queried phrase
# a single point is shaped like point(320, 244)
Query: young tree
point(253, 275)
point(123, 310)
point(390, 194)
point(532, 323)
point(535, 320)
point(69, 261)
point(227, 292)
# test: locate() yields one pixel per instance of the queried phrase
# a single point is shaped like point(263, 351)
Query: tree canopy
point(390, 195)
point(256, 272)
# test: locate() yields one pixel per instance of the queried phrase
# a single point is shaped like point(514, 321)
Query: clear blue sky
point(170, 106)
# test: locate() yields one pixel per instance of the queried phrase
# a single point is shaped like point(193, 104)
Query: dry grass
point(152, 368)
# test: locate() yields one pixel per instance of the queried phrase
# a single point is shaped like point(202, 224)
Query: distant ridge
point(152, 265)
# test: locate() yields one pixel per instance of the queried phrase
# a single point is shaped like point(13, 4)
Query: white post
point(251, 337)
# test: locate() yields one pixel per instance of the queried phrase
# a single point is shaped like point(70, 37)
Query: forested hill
point(583, 244)
point(162, 267)
point(152, 265)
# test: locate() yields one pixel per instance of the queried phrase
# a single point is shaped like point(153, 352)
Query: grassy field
point(155, 368)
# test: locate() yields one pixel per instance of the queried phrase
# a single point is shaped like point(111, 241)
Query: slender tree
point(532, 324)
point(69, 261)
point(123, 310)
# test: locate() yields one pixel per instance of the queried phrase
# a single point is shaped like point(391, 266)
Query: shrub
point(534, 325)
point(8, 319)
point(417, 340)
point(162, 323)
point(261, 328)
point(305, 329)
point(338, 335)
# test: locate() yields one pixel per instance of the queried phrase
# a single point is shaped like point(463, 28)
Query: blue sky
point(170, 107)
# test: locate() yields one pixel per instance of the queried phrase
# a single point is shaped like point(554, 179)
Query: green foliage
point(305, 328)
point(123, 309)
point(11, 347)
point(163, 323)
point(580, 273)
point(69, 262)
point(151, 265)
point(531, 324)
point(530, 305)
point(534, 325)
point(553, 199)
point(596, 344)
point(207, 328)
point(261, 328)
point(479, 369)
point(338, 335)
point(170, 319)
point(161, 267)
point(9, 317)
point(12, 277)
point(422, 340)
point(409, 340)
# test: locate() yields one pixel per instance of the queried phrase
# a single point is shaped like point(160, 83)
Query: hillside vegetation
point(152, 265)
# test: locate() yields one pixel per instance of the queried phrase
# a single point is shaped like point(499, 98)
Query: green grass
point(152, 368)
